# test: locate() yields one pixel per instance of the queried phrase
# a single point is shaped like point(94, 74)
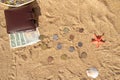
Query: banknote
point(24, 38)
point(12, 40)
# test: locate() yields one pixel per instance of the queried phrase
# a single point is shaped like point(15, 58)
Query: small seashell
point(50, 59)
point(92, 72)
point(55, 37)
point(71, 48)
point(59, 46)
point(80, 44)
point(71, 37)
point(64, 56)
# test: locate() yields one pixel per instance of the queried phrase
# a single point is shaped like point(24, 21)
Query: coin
point(71, 37)
point(66, 30)
point(50, 59)
point(71, 48)
point(55, 37)
point(42, 37)
point(64, 56)
point(83, 55)
point(81, 30)
point(59, 46)
point(80, 44)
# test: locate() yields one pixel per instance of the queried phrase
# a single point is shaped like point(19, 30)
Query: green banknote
point(24, 38)
point(23, 41)
point(12, 40)
point(18, 39)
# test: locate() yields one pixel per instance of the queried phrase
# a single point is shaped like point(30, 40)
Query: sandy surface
point(95, 16)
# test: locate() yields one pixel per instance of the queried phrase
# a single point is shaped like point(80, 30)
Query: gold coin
point(64, 56)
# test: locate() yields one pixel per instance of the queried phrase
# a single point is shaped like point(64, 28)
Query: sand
point(95, 16)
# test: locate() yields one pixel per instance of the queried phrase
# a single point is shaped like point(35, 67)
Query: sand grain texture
point(95, 16)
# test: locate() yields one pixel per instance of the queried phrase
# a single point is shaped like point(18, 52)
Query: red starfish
point(98, 40)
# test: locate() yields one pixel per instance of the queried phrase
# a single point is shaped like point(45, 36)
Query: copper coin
point(71, 37)
point(50, 59)
point(83, 55)
point(81, 30)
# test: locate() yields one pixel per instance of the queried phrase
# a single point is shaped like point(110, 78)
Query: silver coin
point(59, 46)
point(71, 48)
point(55, 37)
point(80, 44)
point(66, 30)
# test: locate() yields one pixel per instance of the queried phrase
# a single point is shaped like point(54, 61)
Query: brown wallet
point(20, 19)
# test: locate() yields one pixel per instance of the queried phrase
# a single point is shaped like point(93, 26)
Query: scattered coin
point(81, 30)
point(80, 44)
point(42, 37)
point(83, 55)
point(66, 30)
point(59, 46)
point(50, 59)
point(71, 48)
point(71, 37)
point(64, 56)
point(92, 72)
point(55, 37)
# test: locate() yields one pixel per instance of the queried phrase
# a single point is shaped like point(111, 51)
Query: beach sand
point(95, 16)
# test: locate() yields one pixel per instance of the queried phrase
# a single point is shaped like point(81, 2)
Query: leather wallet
point(20, 19)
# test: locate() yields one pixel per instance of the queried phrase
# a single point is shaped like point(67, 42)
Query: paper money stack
point(24, 38)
